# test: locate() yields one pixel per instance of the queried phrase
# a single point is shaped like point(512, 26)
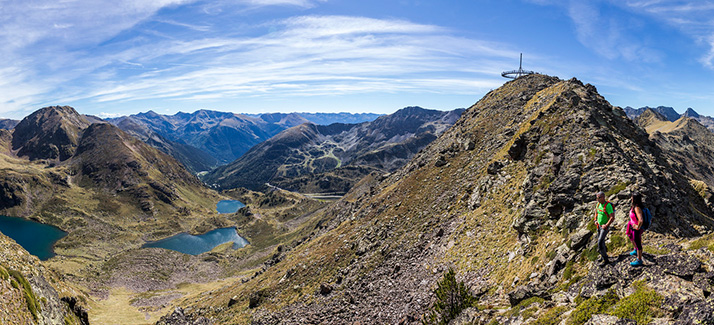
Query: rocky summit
point(505, 199)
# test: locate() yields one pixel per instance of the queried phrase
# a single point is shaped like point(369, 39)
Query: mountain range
point(671, 115)
point(298, 158)
point(205, 139)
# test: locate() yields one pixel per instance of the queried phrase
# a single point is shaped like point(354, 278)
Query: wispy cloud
point(302, 56)
point(310, 55)
point(692, 18)
point(52, 43)
point(608, 35)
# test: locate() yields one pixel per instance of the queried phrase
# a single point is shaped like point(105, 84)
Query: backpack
point(647, 222)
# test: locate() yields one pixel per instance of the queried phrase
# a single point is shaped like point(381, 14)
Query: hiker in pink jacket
point(634, 231)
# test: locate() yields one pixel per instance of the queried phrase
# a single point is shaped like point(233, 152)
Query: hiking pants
point(601, 237)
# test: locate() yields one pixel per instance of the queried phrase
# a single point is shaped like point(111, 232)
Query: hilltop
point(505, 198)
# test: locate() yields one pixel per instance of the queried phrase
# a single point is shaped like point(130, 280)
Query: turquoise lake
point(194, 245)
point(229, 206)
point(35, 237)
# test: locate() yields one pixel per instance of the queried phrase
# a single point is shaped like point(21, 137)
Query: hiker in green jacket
point(604, 215)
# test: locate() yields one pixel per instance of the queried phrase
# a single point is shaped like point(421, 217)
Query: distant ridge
point(205, 139)
point(312, 158)
point(671, 115)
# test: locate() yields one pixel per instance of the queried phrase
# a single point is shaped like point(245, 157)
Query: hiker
point(604, 215)
point(634, 227)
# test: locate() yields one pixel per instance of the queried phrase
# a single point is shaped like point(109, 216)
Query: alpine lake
point(38, 238)
point(194, 245)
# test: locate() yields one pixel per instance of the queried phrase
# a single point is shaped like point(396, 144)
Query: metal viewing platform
point(513, 74)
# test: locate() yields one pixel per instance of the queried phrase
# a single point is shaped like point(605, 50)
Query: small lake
point(194, 245)
point(229, 206)
point(37, 238)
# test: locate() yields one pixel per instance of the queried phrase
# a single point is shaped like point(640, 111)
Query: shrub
point(32, 305)
point(594, 305)
point(640, 306)
point(616, 241)
point(568, 272)
point(591, 253)
point(551, 317)
point(3, 273)
point(617, 188)
point(516, 310)
point(591, 226)
point(452, 297)
point(550, 255)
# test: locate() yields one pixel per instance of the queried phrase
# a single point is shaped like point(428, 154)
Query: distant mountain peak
point(52, 132)
point(691, 113)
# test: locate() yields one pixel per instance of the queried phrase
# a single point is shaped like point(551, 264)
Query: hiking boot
point(604, 262)
point(633, 253)
point(637, 263)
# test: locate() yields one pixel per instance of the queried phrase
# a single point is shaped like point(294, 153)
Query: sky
point(119, 57)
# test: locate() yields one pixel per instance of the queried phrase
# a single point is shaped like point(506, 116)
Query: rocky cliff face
point(32, 293)
point(301, 157)
point(504, 197)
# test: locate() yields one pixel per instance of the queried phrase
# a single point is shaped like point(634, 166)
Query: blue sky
point(121, 57)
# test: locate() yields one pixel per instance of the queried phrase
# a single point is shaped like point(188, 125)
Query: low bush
point(452, 297)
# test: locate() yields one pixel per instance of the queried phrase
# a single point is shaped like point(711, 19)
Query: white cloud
point(78, 56)
point(311, 55)
point(607, 35)
point(110, 115)
point(692, 18)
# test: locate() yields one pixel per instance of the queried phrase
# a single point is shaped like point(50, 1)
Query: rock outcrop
point(33, 293)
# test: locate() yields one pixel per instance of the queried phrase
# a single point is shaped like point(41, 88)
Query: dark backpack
point(647, 222)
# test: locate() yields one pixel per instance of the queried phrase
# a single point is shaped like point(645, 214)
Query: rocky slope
point(194, 159)
point(307, 151)
point(505, 198)
point(8, 124)
point(34, 294)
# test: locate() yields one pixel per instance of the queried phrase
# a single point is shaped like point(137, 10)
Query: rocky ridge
point(505, 198)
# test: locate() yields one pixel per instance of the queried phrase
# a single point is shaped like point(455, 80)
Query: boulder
point(579, 239)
